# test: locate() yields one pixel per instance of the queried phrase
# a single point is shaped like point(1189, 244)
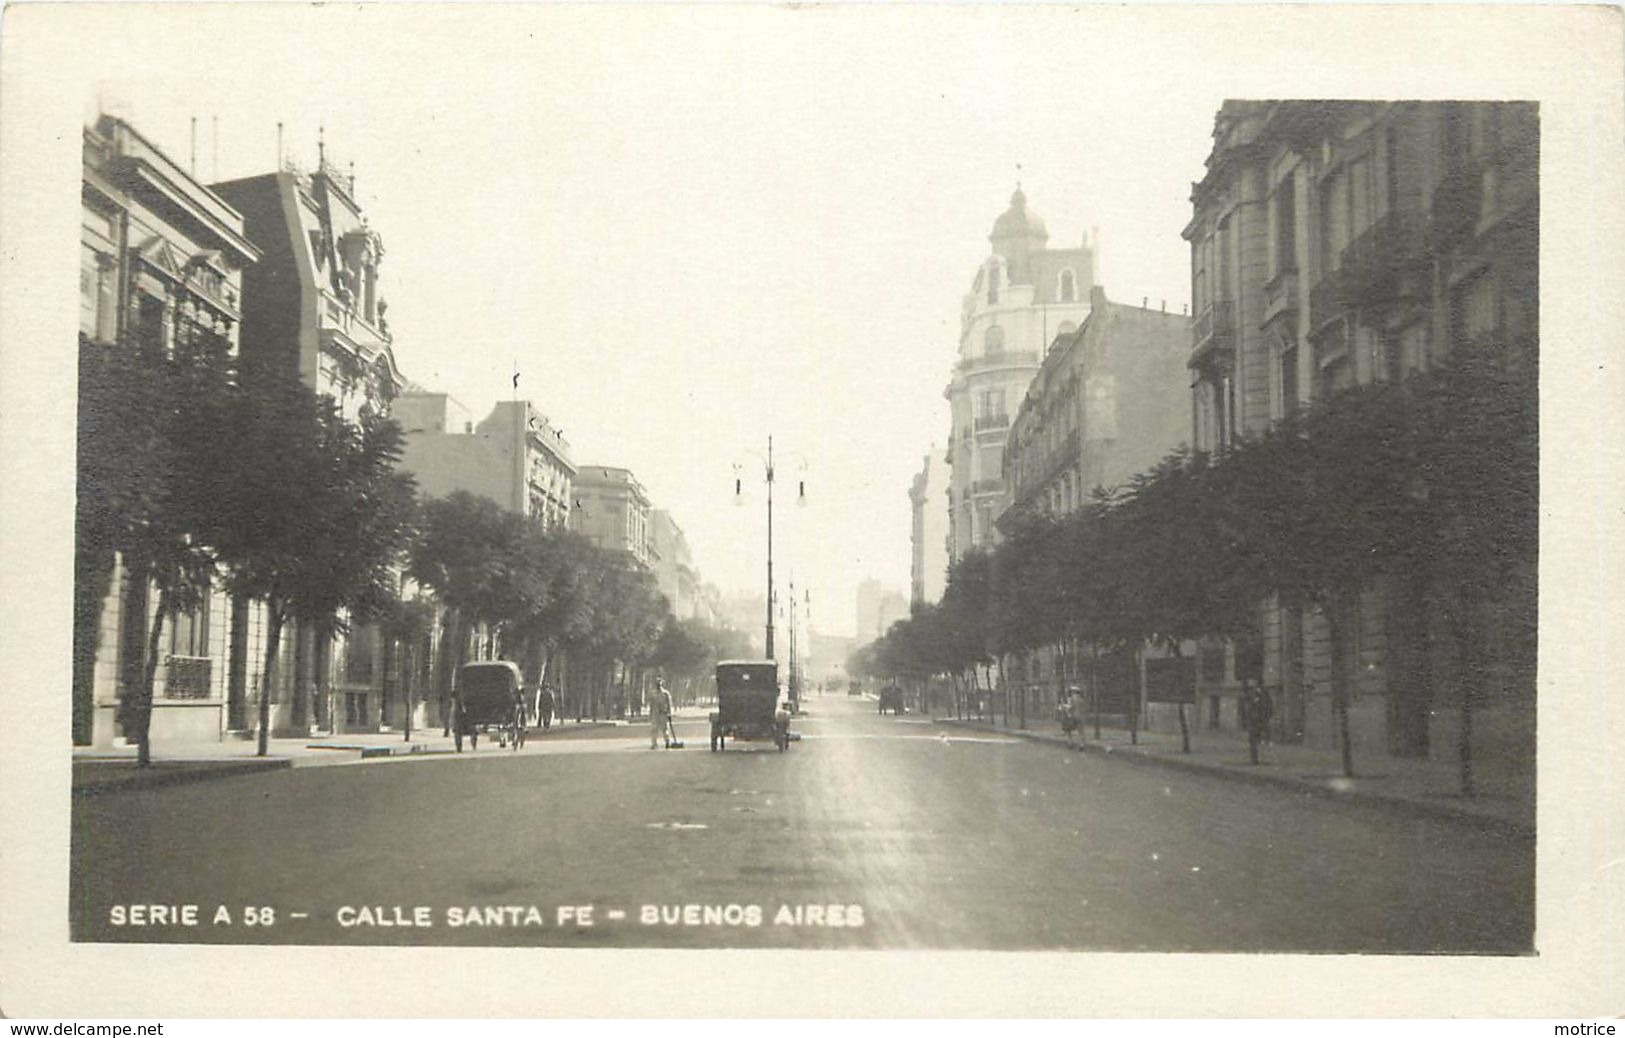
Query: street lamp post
point(801, 498)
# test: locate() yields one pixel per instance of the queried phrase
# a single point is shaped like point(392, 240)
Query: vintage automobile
point(891, 698)
point(748, 705)
point(489, 699)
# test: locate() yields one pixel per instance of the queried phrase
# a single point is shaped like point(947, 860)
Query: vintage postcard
point(1108, 498)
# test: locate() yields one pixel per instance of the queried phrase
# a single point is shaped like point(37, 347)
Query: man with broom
point(660, 722)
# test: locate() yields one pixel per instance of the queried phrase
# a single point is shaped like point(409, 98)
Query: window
point(993, 339)
point(1199, 286)
point(1478, 308)
point(1334, 231)
point(149, 321)
point(1361, 205)
point(1413, 348)
point(189, 631)
point(1067, 328)
point(1289, 381)
point(1069, 286)
point(993, 283)
point(358, 656)
point(97, 308)
point(1286, 232)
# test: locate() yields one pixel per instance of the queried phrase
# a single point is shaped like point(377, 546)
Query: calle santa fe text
point(833, 916)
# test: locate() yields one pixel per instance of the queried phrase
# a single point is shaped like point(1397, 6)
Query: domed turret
point(1018, 221)
point(1017, 232)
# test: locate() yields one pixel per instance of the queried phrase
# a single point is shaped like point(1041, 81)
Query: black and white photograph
point(1077, 485)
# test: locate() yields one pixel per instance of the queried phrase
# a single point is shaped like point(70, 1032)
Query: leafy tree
point(459, 552)
point(314, 513)
point(148, 439)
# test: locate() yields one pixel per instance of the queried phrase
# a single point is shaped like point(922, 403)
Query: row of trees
point(1426, 486)
point(537, 593)
point(198, 471)
point(195, 470)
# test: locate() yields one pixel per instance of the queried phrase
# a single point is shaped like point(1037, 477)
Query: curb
point(158, 779)
point(1404, 805)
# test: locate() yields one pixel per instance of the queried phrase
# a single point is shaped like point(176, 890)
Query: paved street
point(929, 836)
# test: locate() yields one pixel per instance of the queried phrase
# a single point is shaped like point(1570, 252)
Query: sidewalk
point(101, 769)
point(1428, 788)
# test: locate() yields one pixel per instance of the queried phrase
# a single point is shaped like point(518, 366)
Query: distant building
point(878, 607)
point(928, 503)
point(1023, 295)
point(161, 262)
point(1110, 400)
point(673, 564)
point(513, 457)
point(612, 510)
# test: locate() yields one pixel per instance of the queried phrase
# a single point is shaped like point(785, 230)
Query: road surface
point(872, 832)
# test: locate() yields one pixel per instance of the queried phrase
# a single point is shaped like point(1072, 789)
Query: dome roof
point(1018, 221)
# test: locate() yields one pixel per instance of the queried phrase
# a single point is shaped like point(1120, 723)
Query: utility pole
point(770, 549)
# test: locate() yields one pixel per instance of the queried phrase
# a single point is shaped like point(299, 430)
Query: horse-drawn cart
point(748, 705)
point(489, 700)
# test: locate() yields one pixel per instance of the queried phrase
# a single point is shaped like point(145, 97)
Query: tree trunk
point(149, 673)
point(93, 573)
point(1470, 660)
point(1184, 725)
point(1337, 615)
point(301, 676)
point(408, 676)
point(273, 639)
point(1094, 683)
point(320, 679)
point(237, 666)
point(1134, 704)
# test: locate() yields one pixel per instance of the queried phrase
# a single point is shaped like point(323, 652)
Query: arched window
point(1067, 328)
point(993, 339)
point(1069, 286)
point(992, 283)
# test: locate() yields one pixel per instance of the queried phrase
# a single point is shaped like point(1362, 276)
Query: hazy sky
point(694, 227)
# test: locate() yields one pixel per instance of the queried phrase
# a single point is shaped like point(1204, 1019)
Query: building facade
point(1110, 400)
point(878, 607)
point(1340, 243)
point(314, 303)
point(1022, 296)
point(313, 306)
point(161, 263)
point(673, 563)
point(612, 510)
point(929, 502)
point(514, 456)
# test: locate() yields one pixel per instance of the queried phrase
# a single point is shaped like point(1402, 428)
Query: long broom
point(672, 742)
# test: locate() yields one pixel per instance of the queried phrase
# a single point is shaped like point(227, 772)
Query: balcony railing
point(187, 677)
point(1064, 453)
point(992, 421)
point(1374, 267)
point(1385, 264)
point(1214, 327)
point(999, 359)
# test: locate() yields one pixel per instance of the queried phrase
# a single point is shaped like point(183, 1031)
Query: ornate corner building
point(1023, 294)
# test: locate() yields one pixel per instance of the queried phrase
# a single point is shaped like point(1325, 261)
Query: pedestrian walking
point(1072, 714)
point(545, 705)
point(1257, 709)
point(660, 724)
